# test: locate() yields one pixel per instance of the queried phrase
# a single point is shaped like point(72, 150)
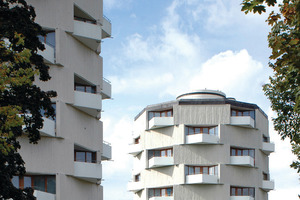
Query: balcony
point(243, 121)
point(48, 128)
point(48, 54)
point(201, 179)
point(159, 122)
point(134, 186)
point(160, 162)
point(106, 89)
point(161, 198)
point(106, 152)
point(268, 148)
point(106, 28)
point(241, 198)
point(202, 139)
point(87, 33)
point(246, 161)
point(43, 195)
point(88, 102)
point(267, 185)
point(135, 149)
point(91, 172)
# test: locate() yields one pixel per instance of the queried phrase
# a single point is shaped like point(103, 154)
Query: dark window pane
point(233, 113)
point(205, 130)
point(169, 192)
point(80, 156)
point(157, 153)
point(39, 183)
point(251, 192)
point(239, 152)
point(233, 152)
point(151, 114)
point(232, 192)
point(51, 187)
point(50, 39)
point(27, 181)
point(245, 192)
point(151, 193)
point(239, 191)
point(80, 88)
point(191, 131)
point(157, 192)
point(245, 152)
point(191, 170)
point(252, 114)
point(197, 130)
point(246, 113)
point(89, 157)
point(251, 153)
point(157, 114)
point(197, 170)
point(169, 114)
point(205, 170)
point(163, 153)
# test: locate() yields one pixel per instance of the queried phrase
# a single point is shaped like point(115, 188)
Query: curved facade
point(201, 146)
point(66, 162)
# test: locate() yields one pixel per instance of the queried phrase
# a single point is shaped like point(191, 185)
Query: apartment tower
point(202, 146)
point(66, 162)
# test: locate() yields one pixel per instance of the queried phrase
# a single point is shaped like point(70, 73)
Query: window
point(266, 177)
point(242, 152)
point(137, 140)
point(266, 139)
point(43, 111)
point(165, 113)
point(241, 113)
point(193, 170)
point(85, 156)
point(202, 130)
point(137, 178)
point(160, 192)
point(42, 183)
point(85, 88)
point(48, 39)
point(161, 153)
point(242, 191)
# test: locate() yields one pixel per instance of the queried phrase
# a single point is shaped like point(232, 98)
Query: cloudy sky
point(163, 48)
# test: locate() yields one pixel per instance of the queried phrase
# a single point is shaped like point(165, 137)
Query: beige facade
point(66, 162)
point(202, 146)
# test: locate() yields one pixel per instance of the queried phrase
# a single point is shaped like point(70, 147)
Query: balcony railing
point(135, 149)
point(48, 128)
point(161, 198)
point(243, 121)
point(201, 179)
point(106, 89)
point(134, 186)
point(91, 172)
point(106, 152)
point(267, 185)
point(202, 139)
point(246, 161)
point(160, 122)
point(106, 27)
point(43, 195)
point(241, 198)
point(48, 54)
point(160, 162)
point(268, 147)
point(88, 103)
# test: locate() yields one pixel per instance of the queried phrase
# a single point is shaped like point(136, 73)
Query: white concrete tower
point(202, 146)
point(66, 162)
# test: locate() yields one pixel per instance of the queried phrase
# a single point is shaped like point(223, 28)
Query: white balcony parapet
point(48, 54)
point(201, 179)
point(268, 147)
point(106, 28)
point(267, 185)
point(134, 186)
point(89, 34)
point(241, 198)
point(106, 89)
point(135, 149)
point(161, 198)
point(202, 139)
point(246, 161)
point(48, 128)
point(159, 122)
point(244, 121)
point(91, 172)
point(161, 161)
point(106, 152)
point(88, 102)
point(40, 195)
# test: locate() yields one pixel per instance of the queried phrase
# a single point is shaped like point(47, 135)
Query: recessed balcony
point(202, 139)
point(106, 28)
point(241, 198)
point(135, 149)
point(87, 33)
point(48, 54)
point(161, 198)
point(106, 153)
point(160, 162)
point(48, 128)
point(88, 102)
point(43, 195)
point(267, 185)
point(91, 172)
point(268, 147)
point(246, 161)
point(243, 121)
point(201, 179)
point(134, 186)
point(106, 89)
point(160, 122)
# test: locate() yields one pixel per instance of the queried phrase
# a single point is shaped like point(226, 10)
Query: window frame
point(241, 191)
point(94, 156)
point(191, 130)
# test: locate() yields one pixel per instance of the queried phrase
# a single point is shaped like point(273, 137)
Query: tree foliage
point(20, 100)
point(284, 88)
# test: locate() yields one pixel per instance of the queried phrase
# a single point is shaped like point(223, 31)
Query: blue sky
point(163, 48)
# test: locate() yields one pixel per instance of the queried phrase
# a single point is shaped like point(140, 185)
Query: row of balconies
point(243, 121)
